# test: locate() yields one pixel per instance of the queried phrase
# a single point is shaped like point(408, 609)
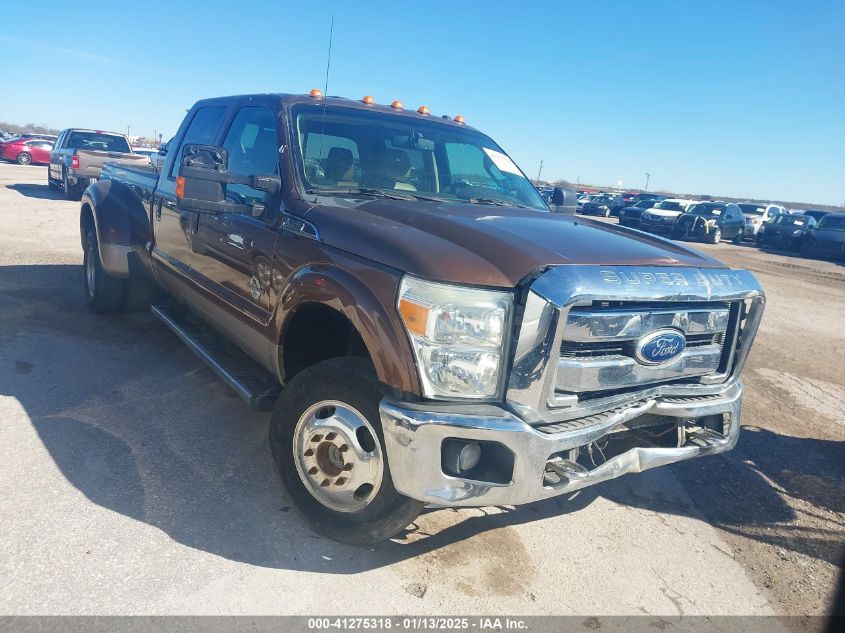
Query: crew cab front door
point(233, 251)
point(173, 224)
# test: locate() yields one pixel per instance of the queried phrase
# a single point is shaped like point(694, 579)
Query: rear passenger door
point(233, 251)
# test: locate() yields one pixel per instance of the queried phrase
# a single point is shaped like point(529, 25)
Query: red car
point(27, 151)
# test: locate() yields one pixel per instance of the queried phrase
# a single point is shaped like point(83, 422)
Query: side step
point(257, 387)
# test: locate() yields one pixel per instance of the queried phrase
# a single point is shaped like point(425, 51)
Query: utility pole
point(539, 172)
point(647, 178)
point(127, 129)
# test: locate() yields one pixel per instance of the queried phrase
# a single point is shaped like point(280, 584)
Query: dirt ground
point(133, 482)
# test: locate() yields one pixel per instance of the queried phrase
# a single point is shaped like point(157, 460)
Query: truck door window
point(253, 151)
point(202, 130)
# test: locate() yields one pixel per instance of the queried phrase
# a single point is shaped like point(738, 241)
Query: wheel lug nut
point(325, 483)
point(331, 436)
point(309, 453)
point(340, 481)
point(347, 467)
point(312, 470)
point(316, 438)
point(344, 448)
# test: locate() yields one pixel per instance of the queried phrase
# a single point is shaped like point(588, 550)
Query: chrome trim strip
point(577, 375)
point(631, 323)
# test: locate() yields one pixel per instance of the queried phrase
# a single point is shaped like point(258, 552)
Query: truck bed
point(143, 175)
point(90, 161)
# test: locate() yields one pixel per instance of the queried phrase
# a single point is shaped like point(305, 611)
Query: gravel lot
point(132, 481)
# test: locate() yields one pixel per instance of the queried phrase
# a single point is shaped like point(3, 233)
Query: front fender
point(372, 316)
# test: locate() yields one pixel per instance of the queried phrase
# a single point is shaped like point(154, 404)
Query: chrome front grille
point(575, 350)
point(597, 351)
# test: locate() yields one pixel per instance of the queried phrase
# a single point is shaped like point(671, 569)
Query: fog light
point(460, 457)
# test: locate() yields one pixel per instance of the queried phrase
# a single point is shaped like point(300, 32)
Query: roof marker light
point(423, 110)
point(368, 100)
point(316, 93)
point(459, 118)
point(397, 104)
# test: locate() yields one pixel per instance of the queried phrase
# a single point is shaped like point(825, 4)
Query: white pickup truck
point(757, 214)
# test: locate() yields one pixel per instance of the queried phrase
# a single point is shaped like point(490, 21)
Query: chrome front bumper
point(414, 435)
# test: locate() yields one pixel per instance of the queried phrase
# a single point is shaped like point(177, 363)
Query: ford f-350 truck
point(424, 330)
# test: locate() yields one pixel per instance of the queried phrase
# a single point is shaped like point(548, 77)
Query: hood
point(486, 245)
point(782, 229)
point(664, 213)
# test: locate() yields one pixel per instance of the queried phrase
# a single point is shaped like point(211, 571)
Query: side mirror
point(203, 174)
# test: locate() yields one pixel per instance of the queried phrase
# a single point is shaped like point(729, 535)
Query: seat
point(392, 167)
point(338, 166)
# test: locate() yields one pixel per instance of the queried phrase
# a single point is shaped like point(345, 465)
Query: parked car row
point(813, 233)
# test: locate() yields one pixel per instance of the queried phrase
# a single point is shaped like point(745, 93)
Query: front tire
point(103, 293)
point(329, 451)
point(737, 239)
point(51, 185)
point(23, 159)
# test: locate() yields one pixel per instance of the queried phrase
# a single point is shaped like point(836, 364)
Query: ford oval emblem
point(660, 346)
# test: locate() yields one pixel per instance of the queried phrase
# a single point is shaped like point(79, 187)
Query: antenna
point(329, 59)
point(326, 92)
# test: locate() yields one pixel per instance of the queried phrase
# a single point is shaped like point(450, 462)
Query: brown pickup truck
point(424, 330)
point(78, 155)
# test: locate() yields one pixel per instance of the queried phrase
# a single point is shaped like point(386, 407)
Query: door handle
point(158, 211)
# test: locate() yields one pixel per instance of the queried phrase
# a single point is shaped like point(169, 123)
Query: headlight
point(795, 233)
point(458, 335)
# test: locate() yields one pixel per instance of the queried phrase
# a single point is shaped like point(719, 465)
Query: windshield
point(98, 141)
point(707, 210)
point(791, 220)
point(832, 223)
point(752, 209)
point(668, 205)
point(345, 151)
point(645, 204)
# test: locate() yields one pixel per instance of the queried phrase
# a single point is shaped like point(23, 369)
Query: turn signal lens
point(459, 118)
point(397, 104)
point(180, 186)
point(414, 315)
point(316, 93)
point(423, 110)
point(368, 100)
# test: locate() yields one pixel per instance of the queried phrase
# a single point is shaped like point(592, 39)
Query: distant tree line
point(29, 128)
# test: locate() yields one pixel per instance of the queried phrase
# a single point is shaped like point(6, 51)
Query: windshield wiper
point(494, 201)
point(376, 193)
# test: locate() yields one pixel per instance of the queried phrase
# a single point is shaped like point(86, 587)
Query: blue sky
point(734, 98)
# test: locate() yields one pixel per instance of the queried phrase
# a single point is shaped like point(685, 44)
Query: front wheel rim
point(338, 456)
point(24, 159)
